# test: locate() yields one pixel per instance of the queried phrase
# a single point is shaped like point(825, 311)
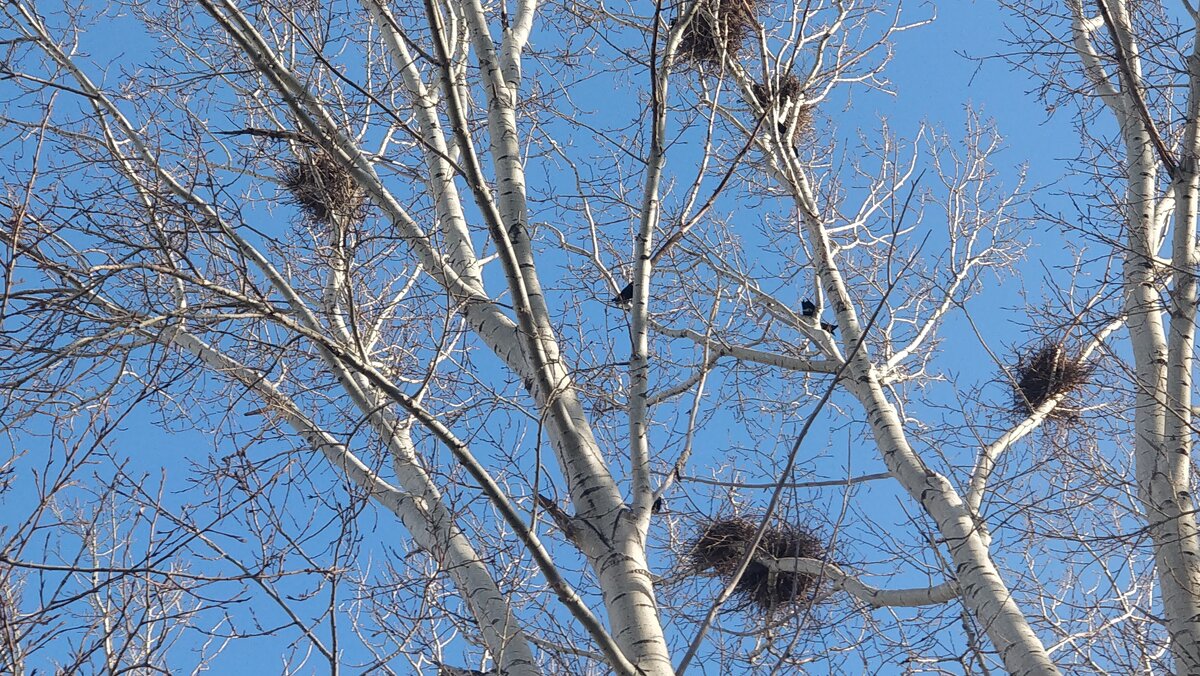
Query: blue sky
point(936, 71)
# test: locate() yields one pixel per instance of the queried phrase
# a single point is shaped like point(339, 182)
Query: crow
point(808, 309)
point(783, 138)
point(826, 326)
point(625, 296)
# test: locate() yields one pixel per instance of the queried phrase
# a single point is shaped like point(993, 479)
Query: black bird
point(625, 296)
point(808, 309)
point(783, 138)
point(826, 326)
point(660, 506)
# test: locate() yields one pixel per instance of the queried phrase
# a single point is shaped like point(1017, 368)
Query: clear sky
point(936, 72)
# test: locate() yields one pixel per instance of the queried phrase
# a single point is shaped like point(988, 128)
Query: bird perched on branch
point(784, 135)
point(809, 309)
point(625, 296)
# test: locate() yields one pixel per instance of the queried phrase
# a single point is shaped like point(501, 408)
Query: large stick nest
point(721, 544)
point(718, 27)
point(324, 189)
point(1046, 371)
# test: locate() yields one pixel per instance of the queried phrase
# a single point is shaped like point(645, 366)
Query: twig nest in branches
point(324, 189)
point(718, 27)
point(721, 544)
point(795, 118)
point(1047, 371)
point(789, 89)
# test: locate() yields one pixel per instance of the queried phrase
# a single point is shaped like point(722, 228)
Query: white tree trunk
point(983, 588)
point(1162, 363)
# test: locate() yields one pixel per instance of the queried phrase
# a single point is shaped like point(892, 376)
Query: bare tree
point(357, 260)
point(1129, 73)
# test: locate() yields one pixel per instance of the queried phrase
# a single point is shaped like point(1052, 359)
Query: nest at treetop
point(718, 27)
point(1047, 371)
point(785, 96)
point(323, 189)
point(721, 544)
point(789, 88)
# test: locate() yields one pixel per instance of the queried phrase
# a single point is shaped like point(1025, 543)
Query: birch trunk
point(983, 588)
point(1163, 363)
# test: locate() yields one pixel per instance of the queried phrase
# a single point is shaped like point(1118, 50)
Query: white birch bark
point(1162, 354)
point(609, 531)
point(441, 182)
point(1171, 501)
point(619, 560)
point(420, 507)
point(983, 588)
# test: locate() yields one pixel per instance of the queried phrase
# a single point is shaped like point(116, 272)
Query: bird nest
point(1044, 372)
point(718, 27)
point(789, 88)
point(324, 189)
point(721, 544)
point(785, 95)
